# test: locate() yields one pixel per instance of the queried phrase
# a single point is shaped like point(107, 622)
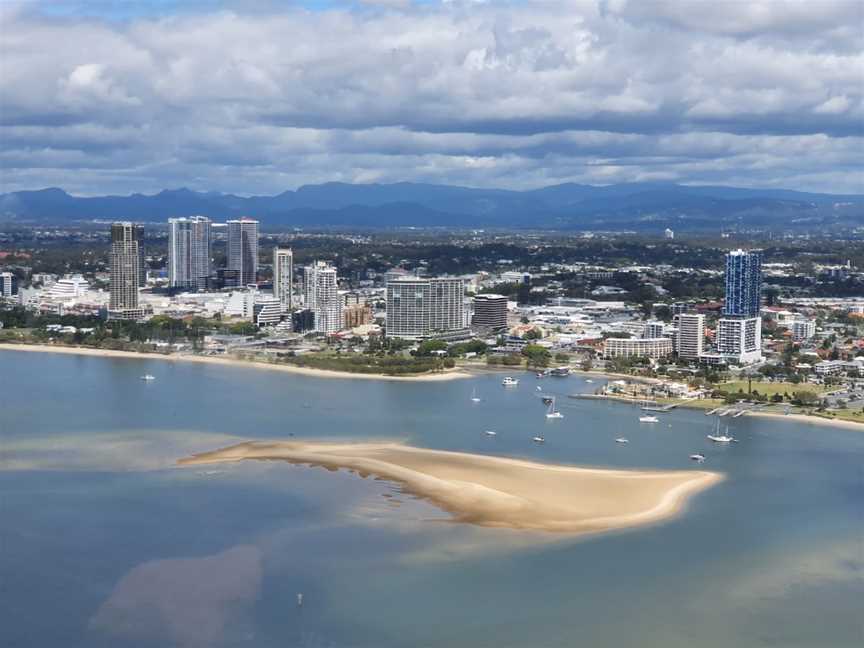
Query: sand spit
point(447, 374)
point(497, 491)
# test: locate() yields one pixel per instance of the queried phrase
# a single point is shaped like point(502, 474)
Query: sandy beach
point(497, 491)
point(447, 374)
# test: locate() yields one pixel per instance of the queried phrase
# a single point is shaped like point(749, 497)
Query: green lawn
point(769, 389)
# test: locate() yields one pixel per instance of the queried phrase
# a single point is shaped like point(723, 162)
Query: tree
point(805, 398)
point(533, 334)
point(537, 355)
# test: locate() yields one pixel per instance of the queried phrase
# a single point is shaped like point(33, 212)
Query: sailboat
point(552, 413)
point(474, 397)
point(721, 438)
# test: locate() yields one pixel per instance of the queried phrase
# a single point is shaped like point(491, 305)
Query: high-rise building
point(243, 249)
point(125, 268)
point(743, 283)
point(652, 329)
point(739, 339)
point(322, 296)
point(690, 338)
point(418, 308)
point(283, 277)
point(8, 284)
point(490, 312)
point(739, 332)
point(189, 252)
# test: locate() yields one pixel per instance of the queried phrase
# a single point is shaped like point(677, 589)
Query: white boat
point(509, 382)
point(474, 397)
point(698, 457)
point(552, 413)
point(648, 419)
point(300, 600)
point(588, 380)
point(539, 388)
point(622, 440)
point(148, 377)
point(539, 439)
point(721, 438)
point(491, 433)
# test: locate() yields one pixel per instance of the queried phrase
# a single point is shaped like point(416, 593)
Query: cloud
point(484, 94)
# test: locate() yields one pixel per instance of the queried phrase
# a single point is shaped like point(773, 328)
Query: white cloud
point(472, 93)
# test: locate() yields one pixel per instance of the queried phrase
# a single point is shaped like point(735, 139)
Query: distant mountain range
point(636, 206)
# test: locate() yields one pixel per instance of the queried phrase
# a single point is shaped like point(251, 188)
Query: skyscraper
point(418, 308)
point(691, 335)
point(283, 277)
point(490, 312)
point(743, 283)
point(189, 252)
point(125, 260)
point(142, 266)
point(739, 331)
point(243, 249)
point(322, 296)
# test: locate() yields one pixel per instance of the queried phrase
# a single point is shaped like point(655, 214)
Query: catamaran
point(552, 413)
point(509, 382)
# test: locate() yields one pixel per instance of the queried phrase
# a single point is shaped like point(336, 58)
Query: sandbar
point(446, 374)
point(497, 491)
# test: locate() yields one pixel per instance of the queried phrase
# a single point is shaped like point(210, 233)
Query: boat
point(509, 382)
point(588, 380)
point(721, 438)
point(539, 439)
point(622, 440)
point(648, 419)
point(698, 457)
point(491, 433)
point(539, 388)
point(552, 413)
point(559, 372)
point(299, 600)
point(547, 400)
point(148, 377)
point(474, 397)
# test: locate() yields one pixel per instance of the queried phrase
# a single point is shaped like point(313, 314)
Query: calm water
point(105, 543)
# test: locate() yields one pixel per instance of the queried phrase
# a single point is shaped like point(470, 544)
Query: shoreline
point(447, 374)
point(494, 491)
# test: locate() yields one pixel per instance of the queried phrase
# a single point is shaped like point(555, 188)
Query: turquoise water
point(105, 542)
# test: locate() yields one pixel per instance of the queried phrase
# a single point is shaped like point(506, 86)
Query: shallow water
point(105, 542)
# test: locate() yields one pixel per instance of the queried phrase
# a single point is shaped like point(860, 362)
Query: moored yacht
point(509, 382)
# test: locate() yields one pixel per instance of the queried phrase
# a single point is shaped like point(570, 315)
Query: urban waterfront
point(107, 543)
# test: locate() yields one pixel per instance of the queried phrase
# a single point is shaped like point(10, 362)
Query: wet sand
point(447, 374)
point(497, 491)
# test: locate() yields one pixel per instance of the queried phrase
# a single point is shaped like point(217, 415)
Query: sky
point(256, 97)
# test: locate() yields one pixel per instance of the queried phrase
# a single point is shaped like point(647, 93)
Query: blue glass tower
point(743, 283)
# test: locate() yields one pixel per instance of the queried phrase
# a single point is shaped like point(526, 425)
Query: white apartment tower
point(189, 252)
point(740, 339)
point(418, 308)
point(690, 335)
point(322, 296)
point(283, 277)
point(243, 250)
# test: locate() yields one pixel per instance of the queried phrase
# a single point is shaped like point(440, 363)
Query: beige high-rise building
point(418, 308)
point(690, 336)
point(125, 270)
point(283, 277)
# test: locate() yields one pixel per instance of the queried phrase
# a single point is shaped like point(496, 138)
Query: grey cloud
point(463, 92)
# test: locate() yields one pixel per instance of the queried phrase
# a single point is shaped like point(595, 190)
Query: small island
point(497, 491)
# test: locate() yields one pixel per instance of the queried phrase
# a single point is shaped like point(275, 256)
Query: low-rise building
point(637, 348)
